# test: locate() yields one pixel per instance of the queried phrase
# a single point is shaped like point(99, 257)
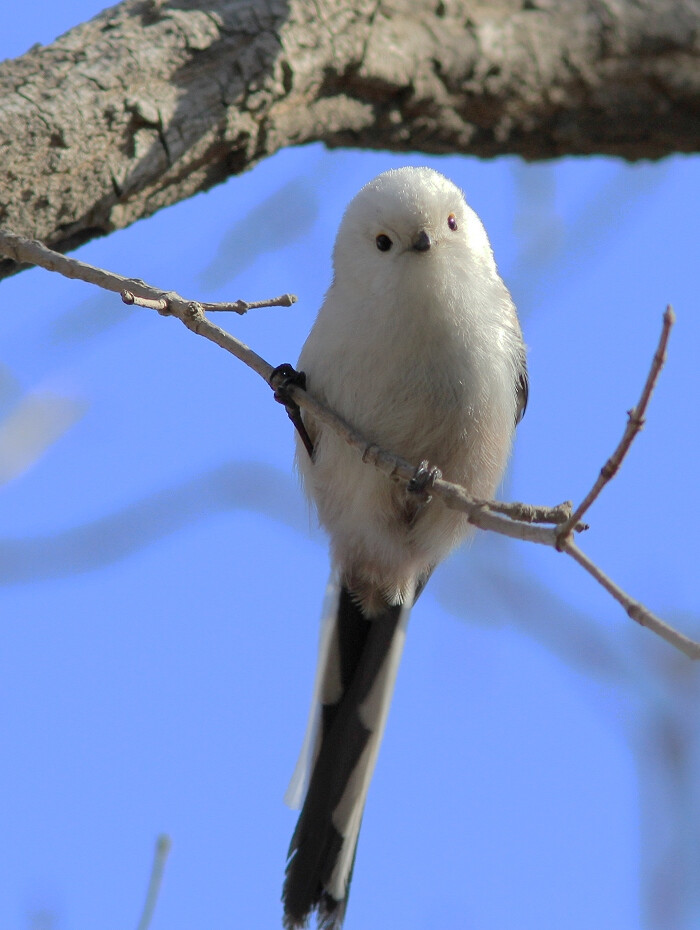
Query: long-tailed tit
point(418, 346)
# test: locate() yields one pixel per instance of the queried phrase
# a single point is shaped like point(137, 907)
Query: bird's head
point(406, 225)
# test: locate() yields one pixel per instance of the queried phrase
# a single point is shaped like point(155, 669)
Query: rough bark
point(152, 100)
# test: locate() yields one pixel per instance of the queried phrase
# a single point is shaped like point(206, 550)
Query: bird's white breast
point(422, 368)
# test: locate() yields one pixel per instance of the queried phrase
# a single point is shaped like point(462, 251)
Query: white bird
point(418, 346)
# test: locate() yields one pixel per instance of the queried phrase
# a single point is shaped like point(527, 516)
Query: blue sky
point(161, 577)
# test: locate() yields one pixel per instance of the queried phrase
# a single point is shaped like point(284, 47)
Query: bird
point(417, 344)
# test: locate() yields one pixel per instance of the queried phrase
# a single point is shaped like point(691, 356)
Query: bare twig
point(243, 306)
point(529, 513)
point(516, 520)
point(159, 303)
point(160, 855)
point(29, 251)
point(635, 421)
point(238, 306)
point(634, 609)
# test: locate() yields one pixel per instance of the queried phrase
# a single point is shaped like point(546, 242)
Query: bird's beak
point(422, 242)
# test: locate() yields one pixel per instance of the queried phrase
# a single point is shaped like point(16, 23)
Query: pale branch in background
point(160, 856)
point(516, 520)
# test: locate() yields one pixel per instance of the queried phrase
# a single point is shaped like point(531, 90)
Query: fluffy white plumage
point(420, 351)
point(418, 345)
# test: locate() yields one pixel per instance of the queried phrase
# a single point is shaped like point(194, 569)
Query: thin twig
point(635, 422)
point(160, 304)
point(634, 609)
point(160, 856)
point(243, 306)
point(237, 306)
point(531, 513)
point(30, 251)
point(518, 521)
point(191, 313)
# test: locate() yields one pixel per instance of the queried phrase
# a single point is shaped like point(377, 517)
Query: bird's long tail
point(358, 661)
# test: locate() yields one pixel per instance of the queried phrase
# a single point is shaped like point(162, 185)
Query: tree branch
point(149, 103)
point(518, 521)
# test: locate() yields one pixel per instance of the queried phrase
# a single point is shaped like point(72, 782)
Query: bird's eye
point(384, 243)
point(452, 222)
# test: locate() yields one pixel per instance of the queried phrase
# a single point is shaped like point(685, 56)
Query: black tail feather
point(363, 645)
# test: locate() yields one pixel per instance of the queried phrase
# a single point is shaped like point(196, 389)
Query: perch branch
point(518, 521)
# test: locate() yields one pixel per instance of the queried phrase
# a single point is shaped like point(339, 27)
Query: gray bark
point(152, 100)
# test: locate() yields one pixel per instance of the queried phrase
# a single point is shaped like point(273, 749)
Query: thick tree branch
point(518, 521)
point(154, 100)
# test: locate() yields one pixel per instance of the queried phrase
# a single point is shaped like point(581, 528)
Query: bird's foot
point(281, 379)
point(423, 480)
